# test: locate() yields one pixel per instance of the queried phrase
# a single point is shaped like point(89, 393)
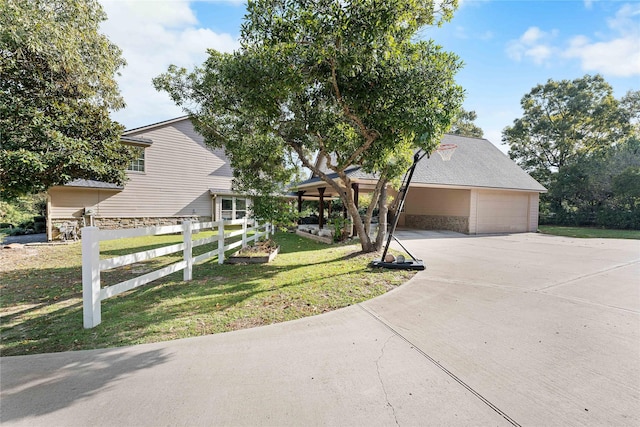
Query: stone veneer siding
point(117, 223)
point(459, 224)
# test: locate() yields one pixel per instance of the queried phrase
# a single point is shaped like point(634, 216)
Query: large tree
point(56, 88)
point(599, 189)
point(564, 119)
point(465, 126)
point(347, 80)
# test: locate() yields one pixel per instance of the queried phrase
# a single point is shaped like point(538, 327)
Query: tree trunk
point(383, 210)
point(365, 241)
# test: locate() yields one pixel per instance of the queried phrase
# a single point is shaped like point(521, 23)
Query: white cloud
point(539, 54)
point(534, 44)
point(615, 54)
point(153, 35)
point(531, 36)
point(618, 56)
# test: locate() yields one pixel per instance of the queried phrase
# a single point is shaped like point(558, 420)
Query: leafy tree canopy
point(345, 80)
point(601, 190)
point(56, 88)
point(564, 119)
point(465, 126)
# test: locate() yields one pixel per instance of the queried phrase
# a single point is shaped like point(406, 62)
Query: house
point(175, 178)
point(480, 190)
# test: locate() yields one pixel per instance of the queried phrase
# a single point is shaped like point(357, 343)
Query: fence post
point(221, 242)
point(187, 251)
point(91, 315)
point(244, 232)
point(256, 231)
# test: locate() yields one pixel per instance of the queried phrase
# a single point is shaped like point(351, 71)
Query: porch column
point(321, 208)
point(356, 193)
point(300, 193)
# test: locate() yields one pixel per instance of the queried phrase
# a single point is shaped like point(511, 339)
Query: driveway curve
point(523, 329)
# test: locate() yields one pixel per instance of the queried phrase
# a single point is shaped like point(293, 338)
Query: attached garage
point(478, 191)
point(503, 212)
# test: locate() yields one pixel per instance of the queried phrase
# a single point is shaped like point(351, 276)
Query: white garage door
point(502, 212)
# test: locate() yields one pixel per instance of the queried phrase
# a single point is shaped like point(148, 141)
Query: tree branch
point(368, 135)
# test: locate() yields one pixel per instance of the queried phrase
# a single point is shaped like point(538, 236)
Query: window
point(227, 209)
point(233, 208)
point(137, 165)
point(241, 208)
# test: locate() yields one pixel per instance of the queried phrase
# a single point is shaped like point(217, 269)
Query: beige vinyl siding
point(534, 206)
point(437, 201)
point(179, 171)
point(69, 202)
point(473, 212)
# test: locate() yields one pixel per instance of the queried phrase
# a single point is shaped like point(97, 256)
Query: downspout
point(213, 208)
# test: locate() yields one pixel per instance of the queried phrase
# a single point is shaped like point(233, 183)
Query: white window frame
point(138, 165)
point(234, 211)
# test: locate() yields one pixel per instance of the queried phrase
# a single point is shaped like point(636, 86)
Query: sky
point(507, 46)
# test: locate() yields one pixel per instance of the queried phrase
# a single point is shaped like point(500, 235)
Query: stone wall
point(459, 224)
point(118, 223)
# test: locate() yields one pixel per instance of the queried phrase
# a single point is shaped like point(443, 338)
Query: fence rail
point(92, 292)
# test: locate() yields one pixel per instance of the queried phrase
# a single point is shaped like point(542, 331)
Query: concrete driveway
point(498, 330)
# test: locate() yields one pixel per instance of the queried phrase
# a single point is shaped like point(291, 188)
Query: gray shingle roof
point(136, 140)
point(475, 163)
point(88, 183)
point(222, 192)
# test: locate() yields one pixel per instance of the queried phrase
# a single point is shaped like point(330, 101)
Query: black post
point(321, 208)
point(403, 195)
point(300, 193)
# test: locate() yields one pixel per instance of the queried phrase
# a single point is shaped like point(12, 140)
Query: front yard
point(41, 294)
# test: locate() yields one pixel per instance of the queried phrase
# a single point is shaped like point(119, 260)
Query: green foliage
point(565, 119)
point(598, 190)
point(464, 124)
point(341, 228)
point(56, 88)
point(584, 145)
point(347, 80)
point(590, 232)
point(23, 209)
point(276, 210)
point(627, 183)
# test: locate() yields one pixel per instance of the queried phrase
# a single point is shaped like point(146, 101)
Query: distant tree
point(464, 124)
point(599, 189)
point(564, 119)
point(56, 88)
point(630, 104)
point(346, 80)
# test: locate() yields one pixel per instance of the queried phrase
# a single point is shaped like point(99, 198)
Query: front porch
point(318, 190)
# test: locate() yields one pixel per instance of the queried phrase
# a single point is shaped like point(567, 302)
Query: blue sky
point(508, 47)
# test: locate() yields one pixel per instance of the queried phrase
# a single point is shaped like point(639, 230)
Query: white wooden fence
point(92, 265)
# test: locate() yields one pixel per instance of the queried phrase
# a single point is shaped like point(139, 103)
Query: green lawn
point(589, 233)
point(41, 293)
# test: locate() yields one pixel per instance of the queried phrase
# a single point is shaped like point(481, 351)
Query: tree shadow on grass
point(33, 386)
point(152, 312)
